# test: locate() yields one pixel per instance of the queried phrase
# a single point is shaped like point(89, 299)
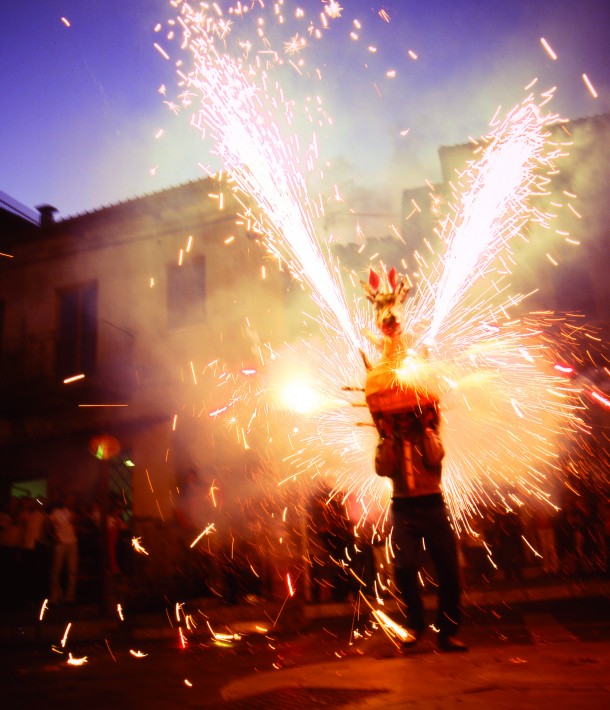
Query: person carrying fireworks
point(410, 454)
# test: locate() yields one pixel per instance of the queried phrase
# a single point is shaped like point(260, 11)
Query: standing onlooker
point(196, 509)
point(10, 536)
point(508, 545)
point(64, 551)
point(115, 526)
point(478, 569)
point(33, 549)
point(545, 530)
point(604, 519)
point(332, 537)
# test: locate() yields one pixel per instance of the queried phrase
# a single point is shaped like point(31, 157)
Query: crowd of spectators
point(566, 541)
point(52, 549)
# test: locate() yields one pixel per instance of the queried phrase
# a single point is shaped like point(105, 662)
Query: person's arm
point(434, 451)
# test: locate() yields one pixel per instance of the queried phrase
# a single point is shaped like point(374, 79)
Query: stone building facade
point(116, 322)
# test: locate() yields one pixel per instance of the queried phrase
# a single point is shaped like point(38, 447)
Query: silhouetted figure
point(419, 516)
point(64, 551)
point(331, 536)
point(509, 546)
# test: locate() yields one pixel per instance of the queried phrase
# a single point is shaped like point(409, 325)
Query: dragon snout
point(388, 322)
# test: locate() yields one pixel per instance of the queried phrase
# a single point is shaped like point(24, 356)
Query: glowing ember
point(65, 636)
point(548, 48)
point(137, 546)
point(590, 86)
point(72, 661)
point(208, 530)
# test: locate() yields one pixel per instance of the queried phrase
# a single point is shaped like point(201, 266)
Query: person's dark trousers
point(426, 517)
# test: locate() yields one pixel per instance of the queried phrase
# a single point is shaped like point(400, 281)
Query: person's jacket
point(411, 456)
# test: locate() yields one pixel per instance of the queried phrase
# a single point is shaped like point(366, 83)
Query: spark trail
point(238, 104)
point(497, 203)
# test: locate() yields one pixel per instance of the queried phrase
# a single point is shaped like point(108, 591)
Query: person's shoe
point(451, 644)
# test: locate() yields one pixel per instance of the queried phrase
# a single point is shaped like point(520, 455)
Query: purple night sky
point(81, 106)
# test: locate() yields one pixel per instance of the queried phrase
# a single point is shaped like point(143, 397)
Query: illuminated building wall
point(110, 322)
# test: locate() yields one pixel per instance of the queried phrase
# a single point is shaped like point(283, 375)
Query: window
point(186, 291)
point(77, 331)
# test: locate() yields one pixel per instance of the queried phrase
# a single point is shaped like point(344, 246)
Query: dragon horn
point(374, 280)
point(372, 287)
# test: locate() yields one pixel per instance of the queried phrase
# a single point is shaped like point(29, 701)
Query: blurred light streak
point(72, 661)
point(135, 542)
point(65, 636)
point(110, 650)
point(548, 48)
point(600, 398)
point(74, 378)
point(209, 529)
point(161, 51)
point(590, 86)
point(527, 542)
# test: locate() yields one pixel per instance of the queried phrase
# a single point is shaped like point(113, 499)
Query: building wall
point(160, 371)
point(577, 197)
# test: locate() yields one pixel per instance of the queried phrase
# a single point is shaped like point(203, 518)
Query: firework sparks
point(333, 9)
point(548, 49)
point(295, 45)
point(43, 609)
point(65, 636)
point(590, 86)
point(135, 543)
point(496, 373)
point(208, 530)
point(72, 661)
point(291, 591)
point(495, 206)
point(261, 157)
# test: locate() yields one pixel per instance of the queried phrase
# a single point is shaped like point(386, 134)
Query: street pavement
point(530, 647)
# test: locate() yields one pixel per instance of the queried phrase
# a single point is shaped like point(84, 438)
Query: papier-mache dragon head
point(388, 314)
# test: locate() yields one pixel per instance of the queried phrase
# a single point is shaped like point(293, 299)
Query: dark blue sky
point(80, 106)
